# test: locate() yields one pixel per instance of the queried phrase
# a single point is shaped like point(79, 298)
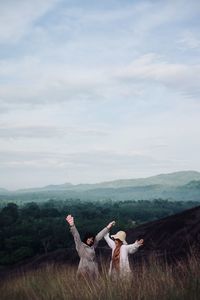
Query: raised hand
point(140, 242)
point(111, 224)
point(70, 220)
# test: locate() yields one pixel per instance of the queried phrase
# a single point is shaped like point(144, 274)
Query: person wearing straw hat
point(87, 267)
point(119, 265)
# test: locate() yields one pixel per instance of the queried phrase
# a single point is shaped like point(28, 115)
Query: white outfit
point(124, 267)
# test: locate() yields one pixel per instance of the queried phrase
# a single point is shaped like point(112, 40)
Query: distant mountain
point(171, 179)
point(193, 184)
point(51, 187)
point(190, 191)
point(183, 185)
point(3, 191)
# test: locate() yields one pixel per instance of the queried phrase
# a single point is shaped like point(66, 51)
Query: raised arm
point(75, 233)
point(132, 248)
point(109, 241)
point(102, 233)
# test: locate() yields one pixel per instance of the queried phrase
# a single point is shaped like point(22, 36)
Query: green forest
point(33, 229)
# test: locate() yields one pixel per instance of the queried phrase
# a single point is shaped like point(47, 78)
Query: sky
point(94, 91)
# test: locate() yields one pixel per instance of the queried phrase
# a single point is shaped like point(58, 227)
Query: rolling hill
point(173, 237)
point(183, 185)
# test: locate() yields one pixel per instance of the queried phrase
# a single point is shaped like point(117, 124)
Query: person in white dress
point(119, 265)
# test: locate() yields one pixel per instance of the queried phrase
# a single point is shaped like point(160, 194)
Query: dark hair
point(119, 241)
point(87, 236)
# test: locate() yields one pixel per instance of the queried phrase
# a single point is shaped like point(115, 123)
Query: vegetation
point(33, 229)
point(148, 281)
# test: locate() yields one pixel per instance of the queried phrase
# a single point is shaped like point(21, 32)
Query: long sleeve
point(132, 248)
point(77, 238)
point(109, 241)
point(100, 236)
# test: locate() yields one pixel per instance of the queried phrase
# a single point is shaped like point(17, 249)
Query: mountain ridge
point(178, 186)
point(171, 179)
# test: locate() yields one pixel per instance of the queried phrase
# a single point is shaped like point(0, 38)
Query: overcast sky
point(98, 90)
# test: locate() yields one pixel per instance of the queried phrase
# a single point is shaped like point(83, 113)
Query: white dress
point(125, 250)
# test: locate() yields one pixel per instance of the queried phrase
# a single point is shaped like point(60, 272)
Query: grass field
point(153, 281)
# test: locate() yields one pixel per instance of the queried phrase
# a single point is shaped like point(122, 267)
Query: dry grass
point(152, 281)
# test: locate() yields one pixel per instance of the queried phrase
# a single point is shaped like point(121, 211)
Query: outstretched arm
point(109, 241)
point(132, 248)
point(75, 233)
point(102, 233)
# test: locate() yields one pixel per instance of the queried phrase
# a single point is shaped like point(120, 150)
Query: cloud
point(88, 51)
point(81, 167)
point(93, 160)
point(17, 17)
point(143, 16)
point(189, 40)
point(55, 83)
point(184, 78)
point(41, 84)
point(48, 132)
point(84, 85)
point(38, 132)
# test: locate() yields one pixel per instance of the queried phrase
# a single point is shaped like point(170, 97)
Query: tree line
point(36, 228)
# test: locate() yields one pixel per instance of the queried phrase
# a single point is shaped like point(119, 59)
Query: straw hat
point(120, 235)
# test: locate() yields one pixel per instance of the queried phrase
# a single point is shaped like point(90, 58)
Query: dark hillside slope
point(173, 236)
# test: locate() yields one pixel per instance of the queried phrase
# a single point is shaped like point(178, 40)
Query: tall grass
point(154, 280)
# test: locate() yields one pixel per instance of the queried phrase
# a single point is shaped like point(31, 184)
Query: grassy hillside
point(175, 186)
point(154, 276)
point(148, 281)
